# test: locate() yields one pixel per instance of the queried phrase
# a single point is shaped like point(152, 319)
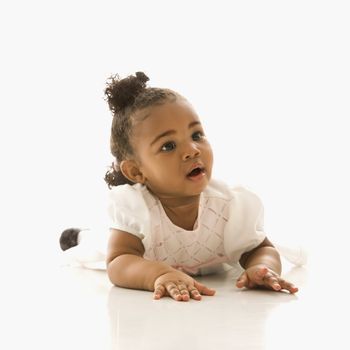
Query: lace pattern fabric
point(188, 250)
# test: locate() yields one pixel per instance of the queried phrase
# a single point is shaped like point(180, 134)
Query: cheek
point(153, 167)
point(209, 152)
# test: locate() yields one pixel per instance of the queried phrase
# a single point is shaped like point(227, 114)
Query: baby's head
point(156, 138)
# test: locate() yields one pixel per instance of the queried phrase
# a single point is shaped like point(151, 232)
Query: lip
point(195, 166)
point(201, 175)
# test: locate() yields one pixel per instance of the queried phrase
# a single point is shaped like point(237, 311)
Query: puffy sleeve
point(244, 229)
point(128, 210)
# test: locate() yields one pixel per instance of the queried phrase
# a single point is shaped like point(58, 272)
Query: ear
point(131, 171)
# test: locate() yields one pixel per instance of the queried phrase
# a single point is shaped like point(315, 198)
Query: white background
point(270, 80)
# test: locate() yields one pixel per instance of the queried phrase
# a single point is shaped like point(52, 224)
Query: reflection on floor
point(74, 308)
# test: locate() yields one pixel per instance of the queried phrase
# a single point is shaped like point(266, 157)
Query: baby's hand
point(180, 287)
point(261, 276)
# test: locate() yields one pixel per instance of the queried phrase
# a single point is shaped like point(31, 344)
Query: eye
point(169, 146)
point(197, 136)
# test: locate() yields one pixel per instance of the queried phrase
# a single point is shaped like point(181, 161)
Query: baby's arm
point(263, 268)
point(127, 268)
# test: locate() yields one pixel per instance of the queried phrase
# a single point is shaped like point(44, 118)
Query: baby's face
point(172, 150)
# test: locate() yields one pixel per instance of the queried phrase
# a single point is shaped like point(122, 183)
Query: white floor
point(278, 71)
point(54, 307)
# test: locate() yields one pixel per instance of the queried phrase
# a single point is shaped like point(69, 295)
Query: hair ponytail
point(115, 177)
point(122, 93)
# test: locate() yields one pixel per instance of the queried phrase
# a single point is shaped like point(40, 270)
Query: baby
point(170, 221)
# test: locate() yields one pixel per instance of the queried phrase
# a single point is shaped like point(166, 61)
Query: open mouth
point(195, 172)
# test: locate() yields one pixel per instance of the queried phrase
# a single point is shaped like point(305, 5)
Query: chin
point(198, 188)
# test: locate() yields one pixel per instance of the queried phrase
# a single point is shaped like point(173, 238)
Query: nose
point(191, 151)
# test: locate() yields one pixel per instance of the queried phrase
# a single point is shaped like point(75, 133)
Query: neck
point(175, 203)
point(182, 212)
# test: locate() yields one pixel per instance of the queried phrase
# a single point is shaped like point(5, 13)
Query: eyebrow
point(171, 132)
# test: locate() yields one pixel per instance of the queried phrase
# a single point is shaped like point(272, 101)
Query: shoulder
point(244, 196)
point(237, 194)
point(125, 189)
point(130, 196)
point(245, 225)
point(129, 209)
point(218, 189)
point(240, 202)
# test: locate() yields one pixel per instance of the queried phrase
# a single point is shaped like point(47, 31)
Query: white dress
point(229, 223)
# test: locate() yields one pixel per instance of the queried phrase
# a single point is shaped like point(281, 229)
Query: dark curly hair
point(125, 97)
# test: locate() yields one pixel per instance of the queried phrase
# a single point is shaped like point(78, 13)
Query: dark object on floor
point(69, 238)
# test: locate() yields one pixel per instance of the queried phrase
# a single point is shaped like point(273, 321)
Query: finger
point(272, 282)
point(242, 281)
point(288, 286)
point(184, 292)
point(195, 294)
point(293, 289)
point(173, 291)
point(204, 290)
point(159, 292)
